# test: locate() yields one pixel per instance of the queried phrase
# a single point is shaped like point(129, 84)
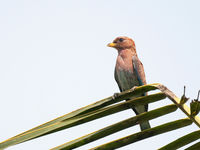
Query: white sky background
point(54, 59)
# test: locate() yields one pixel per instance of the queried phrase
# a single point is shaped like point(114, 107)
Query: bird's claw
point(115, 95)
point(133, 88)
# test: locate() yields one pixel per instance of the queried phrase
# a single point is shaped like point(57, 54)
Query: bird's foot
point(133, 88)
point(115, 95)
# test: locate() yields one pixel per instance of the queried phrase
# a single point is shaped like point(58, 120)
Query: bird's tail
point(145, 125)
point(138, 110)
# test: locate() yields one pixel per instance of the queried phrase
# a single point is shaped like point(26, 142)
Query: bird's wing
point(139, 70)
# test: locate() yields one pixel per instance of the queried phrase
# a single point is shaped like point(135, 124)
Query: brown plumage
point(129, 71)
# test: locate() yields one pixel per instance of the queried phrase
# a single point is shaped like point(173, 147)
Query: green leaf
point(117, 127)
point(79, 119)
point(194, 147)
point(144, 134)
point(182, 141)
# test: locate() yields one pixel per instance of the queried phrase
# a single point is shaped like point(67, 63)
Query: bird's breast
point(124, 64)
point(124, 73)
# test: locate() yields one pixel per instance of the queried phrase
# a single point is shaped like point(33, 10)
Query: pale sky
point(54, 59)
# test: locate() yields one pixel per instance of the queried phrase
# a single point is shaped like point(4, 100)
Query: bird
point(129, 71)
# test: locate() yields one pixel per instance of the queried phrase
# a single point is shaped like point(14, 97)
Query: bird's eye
point(121, 39)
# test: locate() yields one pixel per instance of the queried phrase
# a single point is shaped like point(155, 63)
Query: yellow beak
point(112, 45)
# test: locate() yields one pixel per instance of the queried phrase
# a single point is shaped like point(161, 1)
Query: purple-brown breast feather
point(125, 74)
point(129, 71)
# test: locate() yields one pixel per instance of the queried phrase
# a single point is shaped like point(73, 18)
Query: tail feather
point(138, 110)
point(141, 109)
point(145, 125)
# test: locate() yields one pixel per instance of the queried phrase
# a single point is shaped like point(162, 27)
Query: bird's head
point(122, 42)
